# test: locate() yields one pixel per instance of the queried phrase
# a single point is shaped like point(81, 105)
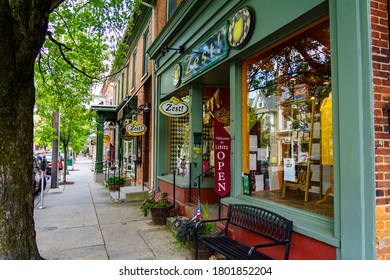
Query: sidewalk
point(81, 221)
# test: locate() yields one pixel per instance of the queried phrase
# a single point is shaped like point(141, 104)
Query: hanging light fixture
point(143, 108)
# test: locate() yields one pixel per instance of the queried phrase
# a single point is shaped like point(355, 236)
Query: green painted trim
point(104, 113)
point(183, 14)
point(308, 224)
point(162, 142)
point(99, 146)
point(196, 125)
point(183, 182)
point(235, 127)
point(353, 131)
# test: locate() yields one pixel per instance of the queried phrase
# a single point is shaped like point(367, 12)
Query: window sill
point(308, 224)
point(144, 76)
point(184, 183)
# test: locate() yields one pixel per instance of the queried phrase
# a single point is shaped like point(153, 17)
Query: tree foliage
point(75, 58)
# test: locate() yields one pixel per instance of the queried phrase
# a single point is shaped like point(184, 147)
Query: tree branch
point(60, 47)
point(55, 4)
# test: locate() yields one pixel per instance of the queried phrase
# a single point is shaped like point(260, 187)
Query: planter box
point(114, 187)
point(160, 214)
point(204, 252)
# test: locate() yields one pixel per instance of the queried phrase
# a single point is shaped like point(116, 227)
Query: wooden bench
point(272, 227)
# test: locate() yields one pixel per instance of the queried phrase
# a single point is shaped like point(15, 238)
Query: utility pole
point(54, 162)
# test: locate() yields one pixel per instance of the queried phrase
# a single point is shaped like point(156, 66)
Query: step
point(131, 194)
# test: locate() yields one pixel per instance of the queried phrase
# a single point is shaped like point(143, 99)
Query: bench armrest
point(276, 243)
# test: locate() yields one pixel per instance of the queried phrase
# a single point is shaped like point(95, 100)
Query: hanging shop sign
point(240, 28)
point(106, 138)
point(135, 128)
point(174, 108)
point(222, 143)
point(204, 55)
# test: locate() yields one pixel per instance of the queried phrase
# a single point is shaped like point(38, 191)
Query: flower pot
point(160, 214)
point(204, 252)
point(114, 187)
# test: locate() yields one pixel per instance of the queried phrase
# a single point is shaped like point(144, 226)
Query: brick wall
point(161, 15)
point(381, 89)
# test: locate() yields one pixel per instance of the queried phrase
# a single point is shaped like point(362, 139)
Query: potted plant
point(114, 183)
point(158, 206)
point(185, 232)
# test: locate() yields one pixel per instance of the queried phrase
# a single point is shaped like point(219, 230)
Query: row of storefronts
point(267, 103)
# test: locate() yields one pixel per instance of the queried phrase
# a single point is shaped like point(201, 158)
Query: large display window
point(179, 139)
point(287, 115)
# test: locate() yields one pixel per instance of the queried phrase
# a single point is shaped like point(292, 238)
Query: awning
point(106, 112)
point(124, 108)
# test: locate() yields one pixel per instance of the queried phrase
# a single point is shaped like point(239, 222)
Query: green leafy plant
point(150, 203)
point(115, 180)
point(186, 229)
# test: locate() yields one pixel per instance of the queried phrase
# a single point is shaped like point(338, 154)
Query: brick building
point(381, 89)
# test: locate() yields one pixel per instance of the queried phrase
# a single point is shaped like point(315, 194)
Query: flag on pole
point(197, 213)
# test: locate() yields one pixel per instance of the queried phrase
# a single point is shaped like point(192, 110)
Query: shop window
point(179, 142)
point(128, 157)
point(287, 139)
point(171, 8)
point(123, 85)
point(145, 54)
point(134, 69)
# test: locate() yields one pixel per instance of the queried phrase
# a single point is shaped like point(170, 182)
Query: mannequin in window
point(327, 141)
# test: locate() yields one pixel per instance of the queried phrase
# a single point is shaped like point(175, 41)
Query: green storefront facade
point(215, 63)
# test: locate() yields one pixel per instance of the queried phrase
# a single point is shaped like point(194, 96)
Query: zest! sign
point(136, 129)
point(206, 54)
point(174, 108)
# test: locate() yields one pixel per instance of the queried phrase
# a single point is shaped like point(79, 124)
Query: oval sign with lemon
point(240, 28)
point(135, 129)
point(174, 107)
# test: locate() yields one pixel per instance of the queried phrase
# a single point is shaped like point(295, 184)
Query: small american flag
point(158, 195)
point(197, 213)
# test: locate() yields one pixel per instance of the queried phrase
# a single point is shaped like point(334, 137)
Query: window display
point(179, 137)
point(285, 88)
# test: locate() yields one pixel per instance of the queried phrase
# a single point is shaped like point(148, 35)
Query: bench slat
point(230, 248)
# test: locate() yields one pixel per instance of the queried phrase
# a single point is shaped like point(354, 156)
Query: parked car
point(36, 176)
point(48, 165)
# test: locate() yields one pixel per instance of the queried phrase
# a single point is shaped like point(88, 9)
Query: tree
point(75, 128)
point(24, 27)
